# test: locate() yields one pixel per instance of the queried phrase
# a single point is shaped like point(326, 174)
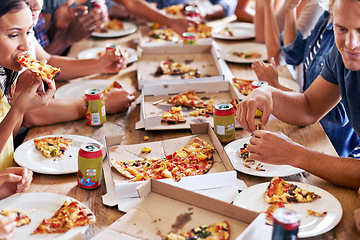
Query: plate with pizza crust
point(234, 31)
point(76, 89)
point(252, 198)
point(27, 155)
point(38, 206)
point(233, 151)
point(128, 28)
point(97, 51)
point(244, 52)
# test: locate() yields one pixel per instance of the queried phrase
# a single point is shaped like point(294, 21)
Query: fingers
point(27, 176)
point(7, 227)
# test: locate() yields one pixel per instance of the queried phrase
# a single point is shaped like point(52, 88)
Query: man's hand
point(266, 72)
point(118, 100)
point(113, 61)
point(65, 14)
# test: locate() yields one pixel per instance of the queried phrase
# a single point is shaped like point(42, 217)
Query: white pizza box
point(206, 58)
point(167, 208)
point(150, 113)
point(220, 182)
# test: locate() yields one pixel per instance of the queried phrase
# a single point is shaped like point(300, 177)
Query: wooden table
point(312, 137)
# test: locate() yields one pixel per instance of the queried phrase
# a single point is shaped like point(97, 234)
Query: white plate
point(233, 152)
point(129, 28)
point(252, 198)
point(93, 53)
point(76, 89)
point(26, 155)
point(243, 47)
point(239, 30)
point(39, 205)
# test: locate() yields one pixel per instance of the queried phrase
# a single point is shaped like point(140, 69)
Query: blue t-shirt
point(335, 123)
point(228, 5)
point(349, 83)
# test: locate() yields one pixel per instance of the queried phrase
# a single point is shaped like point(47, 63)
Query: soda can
point(256, 84)
point(189, 38)
point(192, 11)
point(89, 166)
point(286, 224)
point(103, 7)
point(224, 122)
point(95, 107)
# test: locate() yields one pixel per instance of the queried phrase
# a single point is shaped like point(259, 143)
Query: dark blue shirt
point(335, 123)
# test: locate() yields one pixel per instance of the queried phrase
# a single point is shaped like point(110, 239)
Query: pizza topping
point(316, 214)
point(216, 231)
point(164, 35)
point(173, 115)
point(189, 99)
point(193, 159)
point(146, 150)
point(282, 191)
point(45, 71)
point(21, 218)
point(244, 86)
point(175, 68)
point(269, 213)
point(71, 214)
point(114, 24)
point(114, 85)
point(53, 146)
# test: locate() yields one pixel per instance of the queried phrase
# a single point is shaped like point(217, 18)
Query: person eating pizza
point(339, 80)
point(15, 26)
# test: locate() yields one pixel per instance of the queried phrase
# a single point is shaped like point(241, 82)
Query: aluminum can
point(103, 7)
point(95, 107)
point(256, 84)
point(192, 11)
point(189, 38)
point(89, 166)
point(224, 122)
point(286, 224)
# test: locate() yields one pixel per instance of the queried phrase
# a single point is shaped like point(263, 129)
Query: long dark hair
point(7, 6)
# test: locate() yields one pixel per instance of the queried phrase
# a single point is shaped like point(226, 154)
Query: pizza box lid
point(167, 208)
point(221, 175)
point(205, 57)
point(154, 103)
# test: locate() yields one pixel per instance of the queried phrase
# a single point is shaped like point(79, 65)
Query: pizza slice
point(244, 86)
point(173, 115)
point(176, 10)
point(189, 99)
point(281, 191)
point(53, 146)
point(114, 85)
point(216, 231)
point(246, 55)
point(201, 30)
point(269, 213)
point(316, 213)
point(21, 218)
point(174, 68)
point(70, 215)
point(164, 35)
point(249, 163)
point(45, 71)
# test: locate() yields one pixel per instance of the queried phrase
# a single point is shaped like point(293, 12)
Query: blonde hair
point(331, 4)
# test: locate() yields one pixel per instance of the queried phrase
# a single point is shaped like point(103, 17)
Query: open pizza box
point(206, 58)
point(154, 103)
point(166, 208)
point(220, 182)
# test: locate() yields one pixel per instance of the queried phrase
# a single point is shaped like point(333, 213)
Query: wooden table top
point(312, 137)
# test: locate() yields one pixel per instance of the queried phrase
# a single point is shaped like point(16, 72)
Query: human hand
point(14, 180)
point(118, 100)
point(65, 14)
point(180, 25)
point(273, 148)
point(7, 227)
point(113, 60)
point(260, 99)
point(30, 93)
point(83, 25)
point(266, 72)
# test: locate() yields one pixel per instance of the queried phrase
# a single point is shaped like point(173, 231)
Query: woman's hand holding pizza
point(30, 93)
point(118, 100)
point(274, 148)
point(113, 61)
point(260, 99)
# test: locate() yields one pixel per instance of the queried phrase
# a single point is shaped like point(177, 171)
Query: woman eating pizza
point(15, 26)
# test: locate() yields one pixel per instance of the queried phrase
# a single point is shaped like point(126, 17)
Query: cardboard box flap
point(170, 209)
